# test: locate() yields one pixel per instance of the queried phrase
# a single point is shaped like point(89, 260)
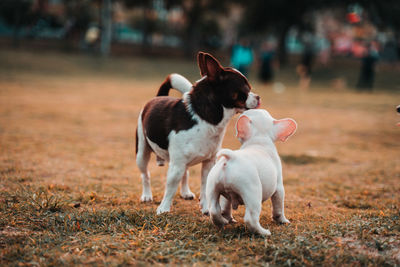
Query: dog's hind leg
point(185, 190)
point(143, 152)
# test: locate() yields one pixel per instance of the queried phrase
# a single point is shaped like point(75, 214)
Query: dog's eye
point(242, 96)
point(234, 96)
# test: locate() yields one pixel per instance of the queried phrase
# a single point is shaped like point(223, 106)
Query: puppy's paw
point(285, 221)
point(229, 218)
point(146, 198)
point(219, 221)
point(281, 219)
point(232, 221)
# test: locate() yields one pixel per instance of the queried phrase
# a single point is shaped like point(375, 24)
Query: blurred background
point(277, 42)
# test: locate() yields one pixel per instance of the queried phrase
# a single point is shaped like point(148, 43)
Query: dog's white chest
point(196, 144)
point(199, 143)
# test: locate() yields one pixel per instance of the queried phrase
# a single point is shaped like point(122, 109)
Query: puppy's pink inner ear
point(286, 127)
point(243, 127)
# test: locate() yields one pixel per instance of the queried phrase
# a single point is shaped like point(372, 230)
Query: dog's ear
point(209, 66)
point(284, 129)
point(201, 63)
point(243, 128)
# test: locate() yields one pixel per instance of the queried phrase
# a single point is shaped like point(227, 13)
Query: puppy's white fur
point(251, 174)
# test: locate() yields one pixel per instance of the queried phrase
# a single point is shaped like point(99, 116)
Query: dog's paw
point(146, 198)
point(160, 161)
point(188, 195)
point(205, 212)
point(161, 210)
point(204, 207)
point(264, 232)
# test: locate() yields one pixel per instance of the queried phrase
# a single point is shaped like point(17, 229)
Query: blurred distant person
point(266, 58)
point(92, 36)
point(304, 69)
point(242, 56)
point(367, 73)
point(324, 48)
point(389, 53)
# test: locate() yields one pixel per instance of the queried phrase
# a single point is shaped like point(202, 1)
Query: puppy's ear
point(284, 129)
point(243, 128)
point(209, 66)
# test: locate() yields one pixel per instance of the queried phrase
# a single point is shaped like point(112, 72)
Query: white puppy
point(251, 174)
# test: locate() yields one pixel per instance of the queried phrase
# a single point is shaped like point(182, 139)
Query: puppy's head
point(258, 122)
point(228, 85)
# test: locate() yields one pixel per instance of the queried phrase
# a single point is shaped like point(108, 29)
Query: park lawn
point(70, 188)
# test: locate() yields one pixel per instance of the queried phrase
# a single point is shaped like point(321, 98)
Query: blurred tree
point(147, 20)
point(17, 13)
point(106, 23)
point(78, 16)
point(382, 13)
point(198, 16)
point(279, 16)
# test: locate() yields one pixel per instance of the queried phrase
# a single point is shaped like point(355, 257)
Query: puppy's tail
point(227, 153)
point(213, 192)
point(175, 81)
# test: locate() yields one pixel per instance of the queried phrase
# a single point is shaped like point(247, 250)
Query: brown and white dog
point(190, 130)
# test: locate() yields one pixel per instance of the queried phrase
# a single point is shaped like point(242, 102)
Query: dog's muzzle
point(253, 101)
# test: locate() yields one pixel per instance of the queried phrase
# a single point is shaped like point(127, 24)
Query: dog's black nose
point(398, 109)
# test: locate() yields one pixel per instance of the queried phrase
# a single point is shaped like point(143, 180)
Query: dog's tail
point(175, 81)
point(213, 192)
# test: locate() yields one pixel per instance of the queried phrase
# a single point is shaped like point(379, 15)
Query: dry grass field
point(70, 188)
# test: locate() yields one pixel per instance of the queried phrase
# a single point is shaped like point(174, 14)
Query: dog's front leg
point(174, 176)
point(205, 169)
point(185, 190)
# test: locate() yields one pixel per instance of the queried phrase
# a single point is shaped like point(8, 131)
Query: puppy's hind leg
point(252, 201)
point(277, 199)
point(226, 205)
point(214, 207)
point(185, 190)
point(213, 195)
